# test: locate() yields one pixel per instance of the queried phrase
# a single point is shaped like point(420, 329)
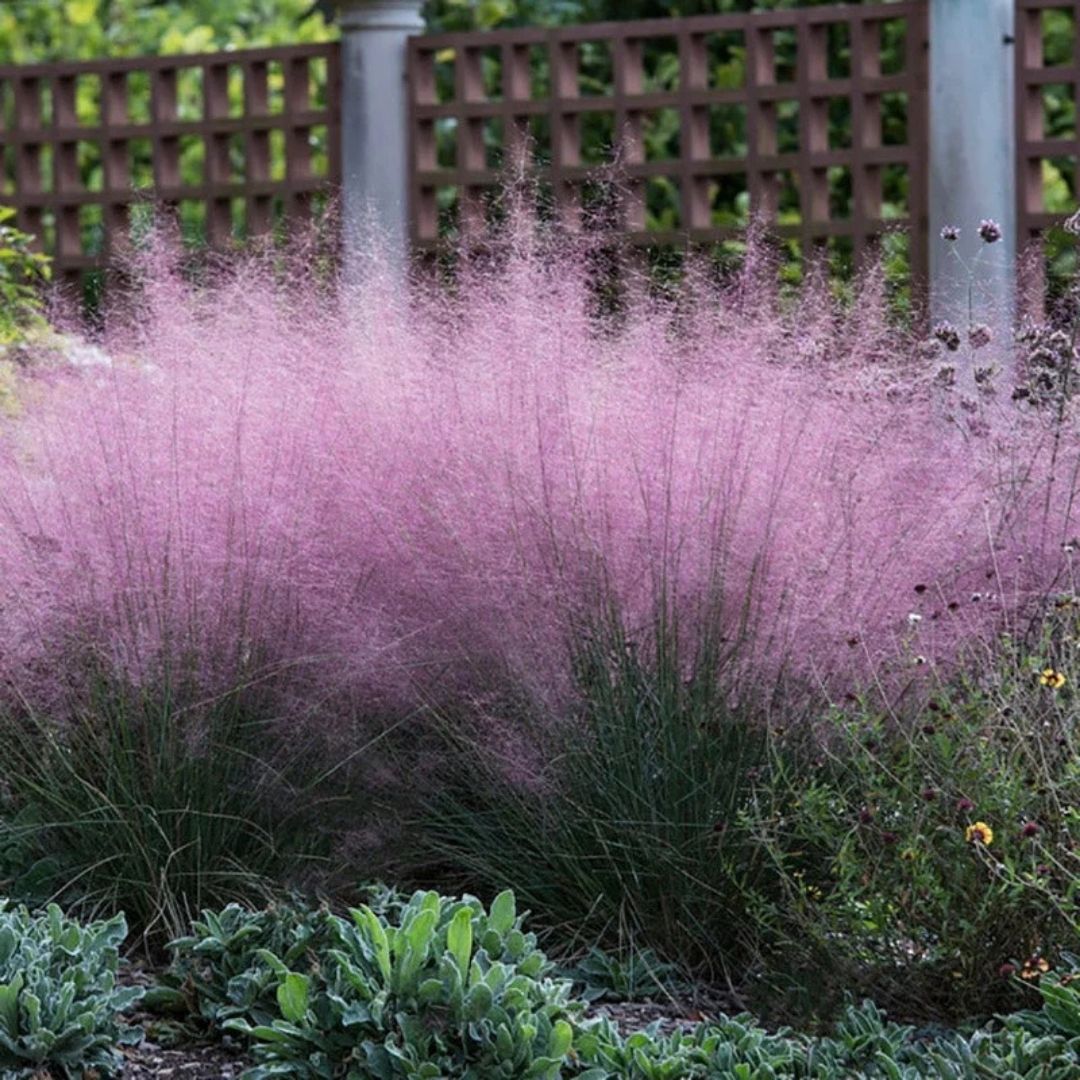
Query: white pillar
point(374, 125)
point(972, 158)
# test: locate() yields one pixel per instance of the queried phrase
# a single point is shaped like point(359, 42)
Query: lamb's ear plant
point(863, 1044)
point(217, 971)
point(450, 989)
point(60, 1005)
point(634, 975)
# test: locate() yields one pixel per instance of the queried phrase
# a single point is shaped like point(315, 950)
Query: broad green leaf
point(367, 920)
point(562, 1036)
point(459, 939)
point(9, 1005)
point(503, 912)
point(292, 996)
point(419, 932)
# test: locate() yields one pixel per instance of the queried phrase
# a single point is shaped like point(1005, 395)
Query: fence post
point(374, 125)
point(972, 158)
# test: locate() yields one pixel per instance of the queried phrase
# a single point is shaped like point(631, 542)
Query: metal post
point(374, 126)
point(972, 160)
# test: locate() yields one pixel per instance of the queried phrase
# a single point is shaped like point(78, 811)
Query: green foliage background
point(42, 30)
point(487, 14)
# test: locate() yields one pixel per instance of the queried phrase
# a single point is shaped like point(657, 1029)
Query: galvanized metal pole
point(972, 160)
point(374, 127)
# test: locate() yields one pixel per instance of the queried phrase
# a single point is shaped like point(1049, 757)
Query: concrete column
point(972, 159)
point(374, 129)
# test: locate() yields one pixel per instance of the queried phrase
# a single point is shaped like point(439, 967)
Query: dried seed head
point(948, 335)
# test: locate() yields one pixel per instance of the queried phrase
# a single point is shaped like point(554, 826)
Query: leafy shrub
point(60, 1004)
point(930, 855)
point(22, 273)
point(216, 971)
point(630, 832)
point(451, 990)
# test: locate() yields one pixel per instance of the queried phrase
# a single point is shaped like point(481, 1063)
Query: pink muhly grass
point(383, 499)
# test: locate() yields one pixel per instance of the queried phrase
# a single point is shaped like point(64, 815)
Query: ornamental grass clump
point(347, 510)
point(369, 490)
point(628, 829)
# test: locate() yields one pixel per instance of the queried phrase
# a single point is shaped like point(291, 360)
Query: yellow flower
point(979, 833)
point(1053, 678)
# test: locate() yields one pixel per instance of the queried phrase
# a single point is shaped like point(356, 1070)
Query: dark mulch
point(173, 1051)
point(669, 1016)
point(149, 1061)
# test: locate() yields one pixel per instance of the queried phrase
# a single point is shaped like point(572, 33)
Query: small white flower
point(914, 618)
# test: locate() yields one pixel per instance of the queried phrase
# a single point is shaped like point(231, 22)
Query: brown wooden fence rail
point(478, 99)
point(234, 139)
point(789, 113)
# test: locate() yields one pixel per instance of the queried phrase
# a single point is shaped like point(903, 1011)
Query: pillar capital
point(381, 15)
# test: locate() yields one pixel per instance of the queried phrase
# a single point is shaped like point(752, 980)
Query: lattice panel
point(232, 140)
point(1048, 141)
point(789, 114)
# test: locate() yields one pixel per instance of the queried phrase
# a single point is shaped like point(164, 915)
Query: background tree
point(44, 30)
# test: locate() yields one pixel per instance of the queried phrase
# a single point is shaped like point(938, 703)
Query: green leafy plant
point(635, 975)
point(217, 973)
point(1060, 993)
point(929, 857)
point(42, 30)
point(60, 1004)
point(448, 990)
point(863, 1044)
point(22, 273)
point(444, 988)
